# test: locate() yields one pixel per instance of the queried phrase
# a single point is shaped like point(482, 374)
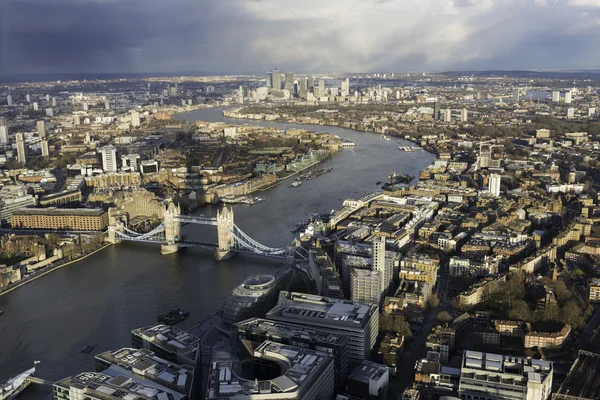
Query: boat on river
point(10, 389)
point(173, 317)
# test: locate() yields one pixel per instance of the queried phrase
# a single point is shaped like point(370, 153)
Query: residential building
point(494, 185)
point(109, 158)
point(41, 128)
point(546, 340)
point(76, 219)
point(594, 295)
point(21, 149)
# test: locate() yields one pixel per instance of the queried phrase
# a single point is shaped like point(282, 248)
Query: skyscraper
point(311, 82)
point(568, 97)
point(54, 102)
point(289, 81)
point(21, 155)
point(9, 100)
point(447, 115)
point(41, 128)
point(436, 108)
point(109, 158)
point(3, 131)
point(555, 96)
point(463, 115)
point(379, 263)
point(276, 79)
point(346, 87)
point(516, 93)
point(494, 185)
point(45, 150)
point(269, 80)
point(321, 87)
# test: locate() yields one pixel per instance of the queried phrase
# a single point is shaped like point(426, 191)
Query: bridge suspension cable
point(253, 244)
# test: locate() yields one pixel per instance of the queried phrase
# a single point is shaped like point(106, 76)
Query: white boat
point(385, 138)
point(11, 388)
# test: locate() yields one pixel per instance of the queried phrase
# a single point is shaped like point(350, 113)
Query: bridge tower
point(112, 229)
point(172, 228)
point(225, 228)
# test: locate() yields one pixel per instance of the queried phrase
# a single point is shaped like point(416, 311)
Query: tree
point(444, 316)
point(520, 311)
point(433, 302)
point(394, 323)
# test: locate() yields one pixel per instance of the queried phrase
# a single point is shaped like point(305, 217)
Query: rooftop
point(284, 330)
point(368, 371)
point(169, 338)
point(300, 368)
point(323, 309)
point(82, 212)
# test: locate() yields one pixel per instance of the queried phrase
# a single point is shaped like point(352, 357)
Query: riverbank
point(47, 270)
point(326, 123)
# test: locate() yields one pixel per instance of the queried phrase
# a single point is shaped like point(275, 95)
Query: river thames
point(98, 301)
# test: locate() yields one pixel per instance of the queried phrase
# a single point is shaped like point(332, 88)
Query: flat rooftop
point(112, 385)
point(321, 309)
point(145, 363)
point(169, 338)
point(368, 371)
point(300, 369)
point(289, 331)
point(80, 212)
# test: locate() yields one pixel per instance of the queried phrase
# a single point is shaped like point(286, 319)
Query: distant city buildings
point(109, 158)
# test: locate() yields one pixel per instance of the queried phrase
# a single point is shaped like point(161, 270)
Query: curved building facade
point(256, 296)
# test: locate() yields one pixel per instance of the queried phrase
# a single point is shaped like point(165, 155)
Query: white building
point(487, 376)
point(494, 185)
point(464, 115)
point(555, 96)
point(109, 158)
point(130, 161)
point(13, 198)
point(135, 119)
point(3, 134)
point(21, 151)
point(568, 97)
point(41, 128)
point(570, 112)
point(9, 100)
point(365, 285)
point(45, 149)
point(346, 87)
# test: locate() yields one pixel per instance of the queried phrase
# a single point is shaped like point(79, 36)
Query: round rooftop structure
point(259, 282)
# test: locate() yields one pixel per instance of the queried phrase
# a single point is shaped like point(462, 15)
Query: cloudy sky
point(229, 36)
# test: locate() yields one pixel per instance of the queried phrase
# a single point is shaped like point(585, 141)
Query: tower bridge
point(230, 238)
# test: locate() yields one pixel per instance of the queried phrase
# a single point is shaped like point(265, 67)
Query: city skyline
point(235, 36)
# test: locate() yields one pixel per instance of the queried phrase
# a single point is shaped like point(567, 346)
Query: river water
point(99, 301)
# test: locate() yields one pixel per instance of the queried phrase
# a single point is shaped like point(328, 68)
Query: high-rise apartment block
point(109, 158)
point(41, 128)
point(45, 149)
point(555, 96)
point(135, 119)
point(9, 101)
point(568, 97)
point(3, 131)
point(346, 87)
point(494, 185)
point(21, 150)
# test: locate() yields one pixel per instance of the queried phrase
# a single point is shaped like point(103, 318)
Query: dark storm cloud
point(40, 36)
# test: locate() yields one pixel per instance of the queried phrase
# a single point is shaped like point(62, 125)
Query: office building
point(311, 82)
point(111, 385)
point(437, 112)
point(321, 87)
point(368, 381)
point(109, 158)
point(269, 80)
point(41, 128)
point(12, 199)
point(135, 119)
point(346, 87)
point(9, 101)
point(45, 149)
point(148, 166)
point(359, 321)
point(568, 97)
point(145, 365)
point(75, 219)
point(257, 330)
point(289, 81)
point(494, 185)
point(582, 381)
point(516, 94)
point(293, 373)
point(130, 161)
point(21, 150)
point(276, 79)
point(167, 342)
point(379, 263)
point(555, 96)
point(493, 376)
